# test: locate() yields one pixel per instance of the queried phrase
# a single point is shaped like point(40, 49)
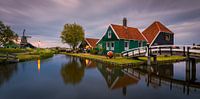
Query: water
point(65, 77)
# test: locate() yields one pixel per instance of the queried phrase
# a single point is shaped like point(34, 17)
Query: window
point(112, 45)
point(140, 44)
point(167, 37)
point(107, 45)
point(126, 45)
point(109, 34)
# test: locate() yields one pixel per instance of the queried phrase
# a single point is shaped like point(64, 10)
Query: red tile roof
point(129, 33)
point(124, 81)
point(91, 41)
point(153, 30)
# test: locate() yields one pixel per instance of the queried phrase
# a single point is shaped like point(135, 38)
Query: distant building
point(158, 34)
point(88, 43)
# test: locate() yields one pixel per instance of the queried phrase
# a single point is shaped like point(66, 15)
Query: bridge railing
point(184, 50)
point(134, 51)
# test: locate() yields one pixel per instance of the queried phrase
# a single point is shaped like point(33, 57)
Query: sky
point(44, 19)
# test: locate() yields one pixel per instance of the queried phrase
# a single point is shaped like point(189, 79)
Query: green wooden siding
point(118, 43)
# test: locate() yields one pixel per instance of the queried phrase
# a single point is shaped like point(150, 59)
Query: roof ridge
point(157, 26)
point(124, 26)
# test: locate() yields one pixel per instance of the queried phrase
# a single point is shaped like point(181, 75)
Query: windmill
point(24, 42)
point(24, 39)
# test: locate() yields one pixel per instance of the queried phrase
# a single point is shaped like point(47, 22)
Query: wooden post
point(171, 51)
point(139, 51)
point(150, 53)
point(7, 56)
point(160, 50)
point(183, 50)
point(188, 52)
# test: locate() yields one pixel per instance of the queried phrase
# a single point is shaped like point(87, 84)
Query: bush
point(12, 50)
point(93, 51)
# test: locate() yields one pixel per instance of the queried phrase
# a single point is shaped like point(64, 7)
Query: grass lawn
point(117, 60)
point(124, 60)
point(165, 58)
point(26, 54)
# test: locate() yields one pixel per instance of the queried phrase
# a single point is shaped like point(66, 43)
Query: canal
point(65, 77)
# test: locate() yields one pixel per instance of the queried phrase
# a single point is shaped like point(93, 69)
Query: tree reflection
point(6, 72)
point(72, 72)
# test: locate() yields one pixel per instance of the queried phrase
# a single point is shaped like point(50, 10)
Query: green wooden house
point(118, 38)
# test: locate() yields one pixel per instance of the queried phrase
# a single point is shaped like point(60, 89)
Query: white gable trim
point(88, 43)
point(155, 38)
point(145, 38)
point(106, 32)
point(114, 32)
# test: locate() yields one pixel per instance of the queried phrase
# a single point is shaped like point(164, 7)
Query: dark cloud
point(44, 19)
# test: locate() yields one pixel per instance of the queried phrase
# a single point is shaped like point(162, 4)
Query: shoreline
point(123, 61)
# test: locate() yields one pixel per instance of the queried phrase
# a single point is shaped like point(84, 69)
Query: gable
point(105, 36)
point(152, 32)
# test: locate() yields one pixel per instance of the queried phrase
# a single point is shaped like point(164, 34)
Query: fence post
point(188, 52)
point(160, 50)
point(171, 51)
point(183, 50)
point(139, 51)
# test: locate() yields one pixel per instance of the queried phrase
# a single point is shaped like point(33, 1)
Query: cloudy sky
point(44, 19)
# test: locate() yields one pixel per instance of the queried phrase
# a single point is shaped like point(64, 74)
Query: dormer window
point(109, 34)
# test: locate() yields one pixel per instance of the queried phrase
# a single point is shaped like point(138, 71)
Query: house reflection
point(154, 76)
point(88, 64)
point(6, 72)
point(116, 78)
point(73, 71)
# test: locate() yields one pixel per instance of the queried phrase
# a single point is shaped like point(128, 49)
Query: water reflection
point(116, 78)
point(155, 77)
point(73, 71)
point(38, 65)
point(6, 72)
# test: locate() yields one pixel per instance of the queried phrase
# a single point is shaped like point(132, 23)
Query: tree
point(7, 35)
point(72, 34)
point(72, 72)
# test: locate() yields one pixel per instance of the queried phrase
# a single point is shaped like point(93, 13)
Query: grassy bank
point(124, 60)
point(26, 54)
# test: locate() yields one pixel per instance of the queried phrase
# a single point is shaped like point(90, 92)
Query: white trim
point(112, 48)
point(106, 32)
point(155, 38)
point(114, 31)
point(88, 43)
point(115, 81)
point(145, 37)
point(126, 48)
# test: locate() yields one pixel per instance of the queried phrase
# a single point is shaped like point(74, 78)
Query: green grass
point(124, 60)
point(165, 58)
point(27, 54)
point(13, 50)
point(117, 60)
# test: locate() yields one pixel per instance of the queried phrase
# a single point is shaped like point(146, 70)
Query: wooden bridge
point(8, 57)
point(180, 50)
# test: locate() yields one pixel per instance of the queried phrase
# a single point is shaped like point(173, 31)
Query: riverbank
point(25, 54)
point(126, 61)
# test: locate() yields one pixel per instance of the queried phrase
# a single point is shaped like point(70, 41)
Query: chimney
point(124, 22)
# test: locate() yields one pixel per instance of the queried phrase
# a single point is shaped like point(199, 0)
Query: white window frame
point(107, 47)
point(140, 42)
point(112, 47)
point(109, 34)
point(126, 48)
